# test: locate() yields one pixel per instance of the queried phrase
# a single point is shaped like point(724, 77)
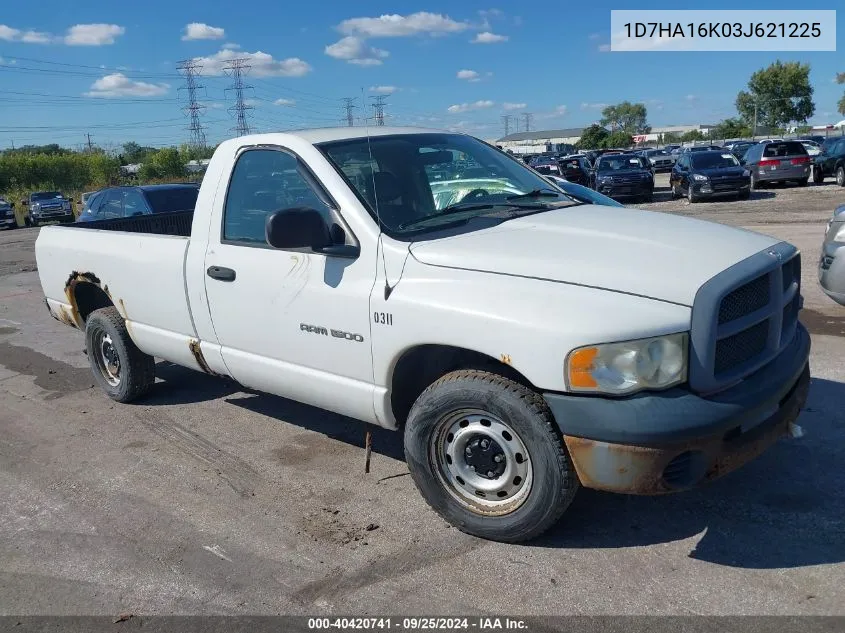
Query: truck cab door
point(289, 321)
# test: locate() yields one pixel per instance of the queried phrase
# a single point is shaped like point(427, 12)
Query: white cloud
point(231, 45)
point(487, 37)
point(604, 48)
point(354, 50)
point(514, 106)
point(261, 64)
point(593, 106)
point(119, 85)
point(691, 98)
point(8, 34)
point(201, 31)
point(384, 90)
point(468, 107)
point(561, 110)
point(284, 102)
point(469, 75)
point(93, 34)
point(392, 25)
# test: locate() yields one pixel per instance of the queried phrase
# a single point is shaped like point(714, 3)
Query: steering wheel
point(475, 193)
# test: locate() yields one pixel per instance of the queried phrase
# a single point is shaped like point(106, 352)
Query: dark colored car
point(739, 148)
point(700, 148)
point(623, 176)
point(699, 175)
point(831, 162)
point(546, 166)
point(583, 194)
point(124, 202)
point(779, 161)
point(660, 159)
point(576, 169)
point(47, 206)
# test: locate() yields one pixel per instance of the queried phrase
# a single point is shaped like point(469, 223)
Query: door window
point(133, 203)
point(265, 181)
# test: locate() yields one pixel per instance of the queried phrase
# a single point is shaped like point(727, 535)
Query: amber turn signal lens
point(580, 366)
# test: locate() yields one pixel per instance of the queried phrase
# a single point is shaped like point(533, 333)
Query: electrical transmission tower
point(378, 108)
point(506, 119)
point(236, 69)
point(191, 70)
point(349, 105)
point(528, 117)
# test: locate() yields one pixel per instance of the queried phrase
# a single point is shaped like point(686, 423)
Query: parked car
point(624, 175)
point(830, 162)
point(738, 148)
point(832, 260)
point(124, 202)
point(83, 199)
point(576, 169)
point(701, 148)
point(47, 206)
point(818, 139)
point(7, 214)
point(777, 162)
point(699, 175)
point(582, 193)
point(546, 166)
point(813, 149)
point(524, 343)
point(660, 159)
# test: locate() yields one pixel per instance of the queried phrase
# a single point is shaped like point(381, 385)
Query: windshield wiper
point(460, 207)
point(536, 193)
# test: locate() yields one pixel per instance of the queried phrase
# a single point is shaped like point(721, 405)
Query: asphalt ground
point(205, 499)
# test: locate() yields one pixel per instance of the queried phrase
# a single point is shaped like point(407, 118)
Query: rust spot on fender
point(506, 359)
point(74, 280)
point(196, 350)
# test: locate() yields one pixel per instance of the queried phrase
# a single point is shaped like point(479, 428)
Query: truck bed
point(178, 224)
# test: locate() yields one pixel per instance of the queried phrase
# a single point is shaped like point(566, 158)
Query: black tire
point(672, 194)
point(840, 176)
point(818, 175)
point(744, 196)
point(691, 197)
point(755, 184)
point(135, 370)
point(552, 482)
point(803, 182)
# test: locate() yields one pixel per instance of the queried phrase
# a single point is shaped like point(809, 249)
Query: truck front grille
point(744, 317)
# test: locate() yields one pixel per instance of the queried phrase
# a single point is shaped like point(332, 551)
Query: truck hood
point(651, 254)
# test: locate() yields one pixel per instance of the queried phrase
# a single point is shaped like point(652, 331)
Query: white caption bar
point(803, 30)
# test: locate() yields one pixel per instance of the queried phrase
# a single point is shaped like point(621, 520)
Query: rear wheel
point(818, 175)
point(840, 176)
point(486, 455)
point(122, 370)
point(755, 184)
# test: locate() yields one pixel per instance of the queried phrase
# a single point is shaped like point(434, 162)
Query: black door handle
point(221, 273)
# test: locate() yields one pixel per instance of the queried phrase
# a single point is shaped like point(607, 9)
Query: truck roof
point(322, 135)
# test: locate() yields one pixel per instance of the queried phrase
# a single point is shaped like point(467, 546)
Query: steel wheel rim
point(106, 358)
point(840, 177)
point(459, 444)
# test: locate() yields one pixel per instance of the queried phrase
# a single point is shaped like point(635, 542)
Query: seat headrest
point(386, 186)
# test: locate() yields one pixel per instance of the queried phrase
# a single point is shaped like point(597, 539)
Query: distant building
point(539, 141)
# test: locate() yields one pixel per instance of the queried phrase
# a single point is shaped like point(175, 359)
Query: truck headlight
point(699, 177)
point(623, 368)
point(66, 205)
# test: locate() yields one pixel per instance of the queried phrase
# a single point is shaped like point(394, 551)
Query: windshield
point(713, 160)
point(587, 195)
point(169, 200)
point(618, 162)
point(656, 152)
point(46, 195)
point(401, 180)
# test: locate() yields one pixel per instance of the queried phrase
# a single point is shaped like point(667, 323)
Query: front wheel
point(818, 174)
point(840, 176)
point(122, 370)
point(486, 455)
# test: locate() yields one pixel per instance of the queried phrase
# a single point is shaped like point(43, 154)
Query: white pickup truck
point(525, 341)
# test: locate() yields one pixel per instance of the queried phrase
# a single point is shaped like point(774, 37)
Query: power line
point(506, 119)
point(349, 105)
point(237, 68)
point(192, 68)
point(378, 108)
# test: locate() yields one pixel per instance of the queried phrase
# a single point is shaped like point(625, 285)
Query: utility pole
point(236, 69)
point(90, 145)
point(349, 105)
point(527, 117)
point(378, 108)
point(191, 69)
point(506, 119)
point(754, 129)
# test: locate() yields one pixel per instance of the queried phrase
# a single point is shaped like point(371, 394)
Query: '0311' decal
point(382, 318)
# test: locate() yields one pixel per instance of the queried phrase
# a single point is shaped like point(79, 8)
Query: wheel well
point(89, 297)
point(420, 366)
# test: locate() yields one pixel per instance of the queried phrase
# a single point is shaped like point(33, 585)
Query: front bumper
point(614, 190)
point(653, 443)
point(708, 190)
point(832, 271)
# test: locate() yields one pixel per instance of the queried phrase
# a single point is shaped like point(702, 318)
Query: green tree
point(626, 117)
point(592, 138)
point(692, 135)
point(781, 94)
point(840, 79)
point(165, 163)
point(731, 128)
point(620, 140)
point(668, 137)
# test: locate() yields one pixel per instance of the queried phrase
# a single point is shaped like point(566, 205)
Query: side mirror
point(299, 227)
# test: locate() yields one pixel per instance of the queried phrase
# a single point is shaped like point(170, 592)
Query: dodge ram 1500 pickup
point(526, 343)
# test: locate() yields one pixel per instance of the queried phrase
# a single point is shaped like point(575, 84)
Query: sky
point(111, 69)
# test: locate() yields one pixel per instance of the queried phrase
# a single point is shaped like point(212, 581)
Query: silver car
point(832, 260)
point(777, 161)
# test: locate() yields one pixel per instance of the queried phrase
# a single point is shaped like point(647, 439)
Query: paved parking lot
point(203, 498)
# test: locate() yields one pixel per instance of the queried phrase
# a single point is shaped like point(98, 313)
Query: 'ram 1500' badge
point(316, 329)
